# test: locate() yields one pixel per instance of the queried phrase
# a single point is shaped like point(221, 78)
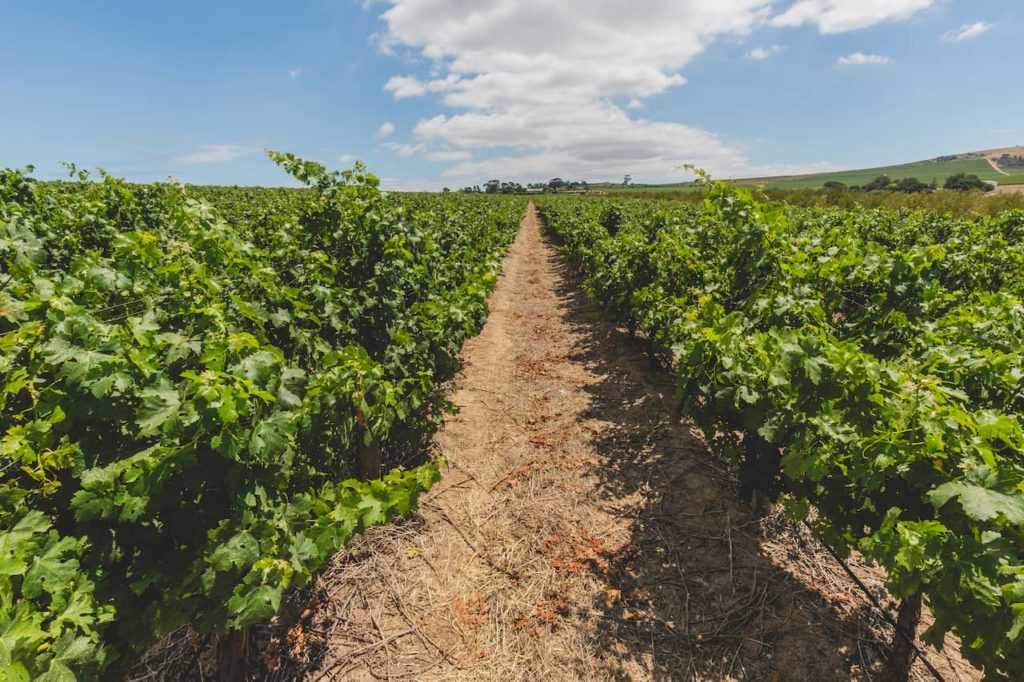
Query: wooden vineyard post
point(369, 460)
point(909, 615)
point(232, 655)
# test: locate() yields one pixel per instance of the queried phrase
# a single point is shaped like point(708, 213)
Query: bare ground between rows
point(580, 533)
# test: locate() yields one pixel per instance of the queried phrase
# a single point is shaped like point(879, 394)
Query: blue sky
point(433, 93)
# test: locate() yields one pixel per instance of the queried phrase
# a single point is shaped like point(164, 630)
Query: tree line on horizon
point(503, 187)
point(958, 182)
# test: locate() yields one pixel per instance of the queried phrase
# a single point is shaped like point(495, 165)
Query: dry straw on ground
point(580, 533)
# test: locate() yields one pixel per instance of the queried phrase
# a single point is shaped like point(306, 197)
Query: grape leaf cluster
point(864, 364)
point(185, 388)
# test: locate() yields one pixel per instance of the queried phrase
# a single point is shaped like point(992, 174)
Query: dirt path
point(995, 166)
point(580, 532)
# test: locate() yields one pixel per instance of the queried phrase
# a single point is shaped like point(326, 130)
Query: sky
point(436, 93)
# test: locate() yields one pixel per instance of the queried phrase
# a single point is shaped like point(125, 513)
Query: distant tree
point(962, 182)
point(492, 186)
point(511, 188)
point(881, 182)
point(628, 179)
point(834, 185)
point(910, 186)
point(446, 190)
point(556, 183)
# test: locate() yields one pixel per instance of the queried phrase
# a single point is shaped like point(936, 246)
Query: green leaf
point(293, 385)
point(52, 569)
point(272, 436)
point(251, 604)
point(57, 672)
point(160, 404)
point(258, 367)
point(980, 504)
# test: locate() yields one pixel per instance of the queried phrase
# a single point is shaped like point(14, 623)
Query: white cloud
point(406, 86)
point(347, 158)
point(217, 153)
point(404, 149)
point(966, 32)
point(523, 80)
point(449, 155)
point(858, 58)
point(415, 185)
point(839, 16)
point(380, 42)
point(759, 53)
point(595, 143)
point(410, 86)
point(386, 128)
point(294, 73)
point(422, 149)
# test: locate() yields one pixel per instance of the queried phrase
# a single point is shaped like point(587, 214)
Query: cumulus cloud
point(840, 16)
point(386, 129)
point(484, 45)
point(410, 86)
point(294, 73)
point(347, 158)
point(406, 86)
point(421, 149)
point(597, 142)
point(759, 53)
point(966, 32)
point(404, 149)
point(859, 58)
point(449, 155)
point(217, 153)
point(520, 79)
point(414, 185)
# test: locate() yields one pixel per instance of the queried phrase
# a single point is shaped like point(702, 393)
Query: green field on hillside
point(925, 171)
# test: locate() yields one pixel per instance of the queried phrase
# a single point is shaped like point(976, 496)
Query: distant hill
point(1004, 165)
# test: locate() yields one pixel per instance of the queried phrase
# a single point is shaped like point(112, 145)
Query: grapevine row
point(864, 367)
point(195, 412)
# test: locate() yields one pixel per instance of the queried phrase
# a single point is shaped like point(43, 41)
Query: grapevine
point(186, 389)
point(863, 365)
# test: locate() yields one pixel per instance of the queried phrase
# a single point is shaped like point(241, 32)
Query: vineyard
point(207, 392)
point(197, 403)
point(865, 368)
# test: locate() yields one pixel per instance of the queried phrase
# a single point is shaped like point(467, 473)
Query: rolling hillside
point(938, 169)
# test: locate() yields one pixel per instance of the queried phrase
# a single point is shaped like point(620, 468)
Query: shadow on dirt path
point(700, 597)
point(706, 589)
point(580, 533)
